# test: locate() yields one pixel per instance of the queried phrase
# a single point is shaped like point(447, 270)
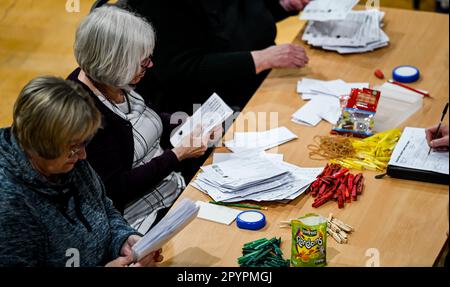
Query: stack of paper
point(325, 10)
point(324, 96)
point(256, 178)
point(359, 32)
point(168, 227)
point(244, 141)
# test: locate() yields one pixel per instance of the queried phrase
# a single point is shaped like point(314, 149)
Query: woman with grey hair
point(53, 207)
point(113, 48)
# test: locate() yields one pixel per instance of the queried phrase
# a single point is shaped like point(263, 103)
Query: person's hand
point(441, 139)
point(280, 56)
point(127, 261)
point(293, 5)
point(150, 260)
point(123, 261)
point(126, 247)
point(192, 146)
point(215, 135)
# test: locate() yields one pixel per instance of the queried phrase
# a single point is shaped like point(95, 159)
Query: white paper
point(177, 218)
point(308, 114)
point(217, 213)
point(359, 32)
point(286, 186)
point(324, 10)
point(212, 113)
point(220, 157)
point(412, 149)
point(244, 141)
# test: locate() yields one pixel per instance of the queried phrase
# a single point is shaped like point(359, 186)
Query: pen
point(423, 93)
point(239, 205)
point(444, 112)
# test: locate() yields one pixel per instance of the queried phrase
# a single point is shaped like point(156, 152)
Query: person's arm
point(22, 239)
point(119, 228)
point(280, 11)
point(126, 184)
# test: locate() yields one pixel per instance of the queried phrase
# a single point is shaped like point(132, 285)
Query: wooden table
point(406, 221)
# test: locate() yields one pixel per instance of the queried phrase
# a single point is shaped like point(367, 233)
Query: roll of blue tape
point(252, 220)
point(406, 74)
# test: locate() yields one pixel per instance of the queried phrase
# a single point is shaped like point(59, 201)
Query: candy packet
point(358, 113)
point(309, 241)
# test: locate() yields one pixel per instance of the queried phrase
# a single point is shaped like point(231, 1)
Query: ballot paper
point(217, 213)
point(412, 149)
point(280, 181)
point(336, 88)
point(324, 100)
point(220, 157)
point(212, 113)
point(359, 32)
point(177, 218)
point(324, 10)
point(244, 141)
point(320, 107)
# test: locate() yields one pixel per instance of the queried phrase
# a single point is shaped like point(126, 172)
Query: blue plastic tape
point(406, 74)
point(252, 220)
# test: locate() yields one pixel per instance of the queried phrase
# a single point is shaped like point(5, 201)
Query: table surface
point(405, 221)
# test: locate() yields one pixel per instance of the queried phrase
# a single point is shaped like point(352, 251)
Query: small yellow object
point(372, 153)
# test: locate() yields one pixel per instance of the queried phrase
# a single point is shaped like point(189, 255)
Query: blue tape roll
point(252, 220)
point(406, 74)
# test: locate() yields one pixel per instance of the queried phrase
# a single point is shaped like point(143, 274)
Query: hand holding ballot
point(126, 255)
point(439, 140)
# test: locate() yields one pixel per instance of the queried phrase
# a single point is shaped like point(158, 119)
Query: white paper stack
point(169, 226)
point(325, 10)
point(324, 100)
point(255, 178)
point(359, 32)
point(245, 141)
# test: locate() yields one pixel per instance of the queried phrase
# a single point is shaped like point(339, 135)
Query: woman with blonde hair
point(53, 207)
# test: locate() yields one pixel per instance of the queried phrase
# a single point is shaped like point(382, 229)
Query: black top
point(111, 153)
point(203, 46)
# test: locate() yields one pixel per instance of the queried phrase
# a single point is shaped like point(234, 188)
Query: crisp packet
point(309, 241)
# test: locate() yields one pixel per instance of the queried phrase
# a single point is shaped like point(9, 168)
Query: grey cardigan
point(48, 224)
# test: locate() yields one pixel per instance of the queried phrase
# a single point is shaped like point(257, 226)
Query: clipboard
point(417, 175)
point(410, 159)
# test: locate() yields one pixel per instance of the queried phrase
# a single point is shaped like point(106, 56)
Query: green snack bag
point(309, 241)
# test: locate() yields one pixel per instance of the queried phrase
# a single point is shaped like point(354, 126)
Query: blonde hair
point(50, 113)
point(110, 45)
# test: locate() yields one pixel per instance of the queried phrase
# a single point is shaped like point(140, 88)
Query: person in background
point(439, 141)
point(222, 46)
point(131, 152)
point(51, 201)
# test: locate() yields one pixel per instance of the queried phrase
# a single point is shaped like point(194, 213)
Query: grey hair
point(111, 43)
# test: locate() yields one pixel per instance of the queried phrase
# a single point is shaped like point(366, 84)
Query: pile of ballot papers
point(323, 99)
point(334, 26)
point(254, 176)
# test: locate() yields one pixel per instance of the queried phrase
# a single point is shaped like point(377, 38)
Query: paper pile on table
point(256, 178)
point(326, 10)
point(324, 100)
point(359, 32)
